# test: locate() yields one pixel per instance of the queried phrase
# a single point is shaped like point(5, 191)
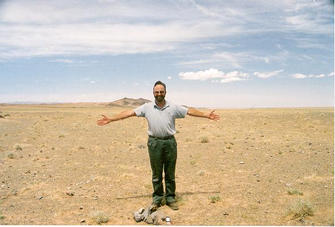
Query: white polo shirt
point(161, 121)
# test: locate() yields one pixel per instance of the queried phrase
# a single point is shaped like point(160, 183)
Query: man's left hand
point(213, 116)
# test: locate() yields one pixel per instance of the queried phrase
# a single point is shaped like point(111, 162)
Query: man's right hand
point(104, 121)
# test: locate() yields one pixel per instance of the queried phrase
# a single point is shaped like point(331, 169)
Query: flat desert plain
point(253, 167)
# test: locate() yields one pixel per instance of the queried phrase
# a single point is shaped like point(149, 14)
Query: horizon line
point(204, 107)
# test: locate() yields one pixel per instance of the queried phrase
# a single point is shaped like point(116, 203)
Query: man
point(162, 145)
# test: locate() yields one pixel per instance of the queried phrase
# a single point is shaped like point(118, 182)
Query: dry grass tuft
point(214, 198)
point(204, 140)
point(294, 192)
point(99, 217)
point(300, 209)
point(11, 156)
point(18, 148)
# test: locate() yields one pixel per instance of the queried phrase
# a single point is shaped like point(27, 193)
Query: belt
point(162, 138)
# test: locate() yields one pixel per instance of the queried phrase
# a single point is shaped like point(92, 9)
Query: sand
point(253, 167)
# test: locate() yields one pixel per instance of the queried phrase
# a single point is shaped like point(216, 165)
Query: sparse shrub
point(192, 162)
point(11, 156)
point(294, 192)
point(204, 140)
point(18, 148)
point(61, 136)
point(99, 217)
point(300, 209)
point(215, 198)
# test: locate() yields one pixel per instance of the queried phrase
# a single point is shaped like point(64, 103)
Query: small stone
point(14, 192)
point(201, 172)
point(70, 193)
point(82, 221)
point(241, 162)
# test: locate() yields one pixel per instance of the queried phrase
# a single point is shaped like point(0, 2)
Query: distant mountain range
point(129, 102)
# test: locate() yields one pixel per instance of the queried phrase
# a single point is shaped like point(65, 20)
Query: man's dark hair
point(160, 83)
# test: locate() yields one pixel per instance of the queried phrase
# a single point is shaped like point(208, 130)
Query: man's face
point(159, 93)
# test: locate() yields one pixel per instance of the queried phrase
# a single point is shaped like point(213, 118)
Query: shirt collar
point(167, 104)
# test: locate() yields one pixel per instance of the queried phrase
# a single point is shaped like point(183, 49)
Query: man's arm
point(123, 115)
point(196, 113)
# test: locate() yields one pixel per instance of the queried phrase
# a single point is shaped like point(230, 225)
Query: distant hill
point(128, 102)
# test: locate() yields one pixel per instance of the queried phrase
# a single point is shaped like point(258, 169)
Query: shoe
point(173, 205)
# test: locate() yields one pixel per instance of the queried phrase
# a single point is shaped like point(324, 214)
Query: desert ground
point(252, 167)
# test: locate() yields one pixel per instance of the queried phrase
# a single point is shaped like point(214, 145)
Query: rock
point(241, 162)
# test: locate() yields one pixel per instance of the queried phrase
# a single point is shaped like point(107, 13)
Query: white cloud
point(331, 74)
point(87, 39)
point(48, 28)
point(303, 76)
point(108, 27)
point(299, 76)
point(214, 75)
point(265, 75)
point(228, 59)
point(67, 61)
point(313, 17)
point(234, 76)
point(318, 76)
point(169, 78)
point(201, 75)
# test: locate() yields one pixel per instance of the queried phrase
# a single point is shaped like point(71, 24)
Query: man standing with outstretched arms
point(162, 145)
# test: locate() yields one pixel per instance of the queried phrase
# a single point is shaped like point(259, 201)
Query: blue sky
point(213, 53)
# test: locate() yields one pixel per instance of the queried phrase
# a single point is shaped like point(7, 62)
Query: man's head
point(159, 91)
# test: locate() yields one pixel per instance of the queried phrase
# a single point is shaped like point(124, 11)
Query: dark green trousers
point(163, 157)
